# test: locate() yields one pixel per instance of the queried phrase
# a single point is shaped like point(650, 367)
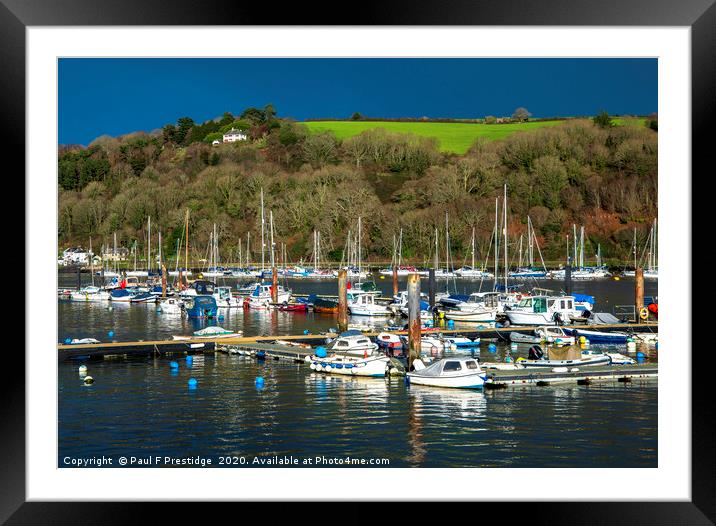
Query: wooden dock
point(196, 345)
point(544, 376)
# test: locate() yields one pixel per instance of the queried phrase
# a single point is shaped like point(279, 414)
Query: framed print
point(413, 258)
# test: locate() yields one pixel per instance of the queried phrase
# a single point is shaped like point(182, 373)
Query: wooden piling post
point(164, 280)
point(638, 292)
point(413, 319)
point(395, 280)
point(431, 287)
point(342, 301)
point(274, 285)
point(568, 279)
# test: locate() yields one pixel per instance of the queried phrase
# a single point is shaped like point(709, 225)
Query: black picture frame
point(699, 15)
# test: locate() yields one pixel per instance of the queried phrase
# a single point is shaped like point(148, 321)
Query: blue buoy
point(174, 365)
point(305, 331)
point(640, 357)
point(192, 383)
point(110, 334)
point(321, 352)
point(259, 381)
point(189, 358)
point(492, 347)
point(221, 317)
point(451, 324)
point(68, 341)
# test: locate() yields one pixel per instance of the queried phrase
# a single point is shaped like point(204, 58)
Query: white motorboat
point(469, 316)
point(225, 300)
point(260, 298)
point(90, 294)
point(353, 343)
point(374, 365)
point(361, 303)
point(460, 373)
point(543, 310)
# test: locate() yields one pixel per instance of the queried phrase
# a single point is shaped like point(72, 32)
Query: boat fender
point(559, 369)
point(88, 380)
point(192, 383)
point(83, 368)
point(173, 365)
point(328, 368)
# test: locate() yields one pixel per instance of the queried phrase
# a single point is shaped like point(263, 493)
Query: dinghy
point(599, 336)
point(459, 373)
point(548, 334)
point(211, 333)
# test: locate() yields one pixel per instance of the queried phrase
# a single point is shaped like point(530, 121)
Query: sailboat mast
point(437, 257)
point(91, 256)
point(400, 248)
point(186, 242)
point(472, 264)
point(359, 246)
point(273, 262)
point(149, 247)
point(263, 221)
point(447, 245)
point(497, 240)
point(504, 206)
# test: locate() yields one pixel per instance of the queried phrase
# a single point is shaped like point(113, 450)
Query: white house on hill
point(234, 135)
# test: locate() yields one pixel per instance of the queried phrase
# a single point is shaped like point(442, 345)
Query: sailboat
point(472, 271)
point(529, 271)
point(651, 271)
point(139, 272)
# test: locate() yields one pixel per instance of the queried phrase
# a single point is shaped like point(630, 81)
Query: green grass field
point(452, 136)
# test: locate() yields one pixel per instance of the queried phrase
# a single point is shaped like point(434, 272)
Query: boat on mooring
point(457, 373)
point(546, 334)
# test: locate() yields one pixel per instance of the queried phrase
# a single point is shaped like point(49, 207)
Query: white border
point(670, 481)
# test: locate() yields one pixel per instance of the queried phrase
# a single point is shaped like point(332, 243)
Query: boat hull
point(467, 381)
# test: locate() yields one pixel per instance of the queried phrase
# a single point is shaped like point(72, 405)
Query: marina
point(245, 358)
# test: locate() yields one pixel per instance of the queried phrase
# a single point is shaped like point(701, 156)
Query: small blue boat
point(598, 336)
point(201, 307)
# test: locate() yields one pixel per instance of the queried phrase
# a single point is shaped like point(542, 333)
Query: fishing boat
point(201, 306)
point(459, 373)
point(171, 306)
point(546, 334)
point(543, 310)
point(211, 333)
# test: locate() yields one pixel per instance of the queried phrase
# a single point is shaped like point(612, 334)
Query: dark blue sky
point(117, 96)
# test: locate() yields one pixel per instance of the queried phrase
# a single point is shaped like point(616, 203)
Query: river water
point(142, 408)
